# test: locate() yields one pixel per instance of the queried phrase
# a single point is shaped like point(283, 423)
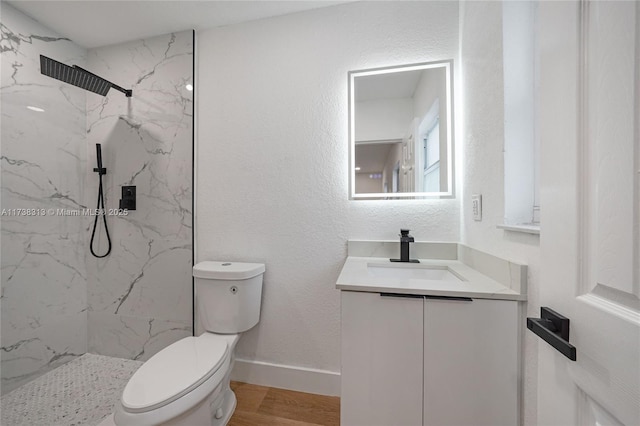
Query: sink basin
point(411, 271)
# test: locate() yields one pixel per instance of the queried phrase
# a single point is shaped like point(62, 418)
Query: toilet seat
point(174, 372)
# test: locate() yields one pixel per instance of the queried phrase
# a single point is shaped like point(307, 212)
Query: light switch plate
point(476, 204)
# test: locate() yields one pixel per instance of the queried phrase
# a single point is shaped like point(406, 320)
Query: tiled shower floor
point(81, 392)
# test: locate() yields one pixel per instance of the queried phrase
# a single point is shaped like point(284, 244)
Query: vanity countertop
point(479, 275)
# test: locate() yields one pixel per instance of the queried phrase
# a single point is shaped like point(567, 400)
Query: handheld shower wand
point(101, 171)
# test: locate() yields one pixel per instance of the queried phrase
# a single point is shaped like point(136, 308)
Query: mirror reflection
point(400, 131)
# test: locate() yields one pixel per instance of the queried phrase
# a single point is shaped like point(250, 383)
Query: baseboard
point(321, 382)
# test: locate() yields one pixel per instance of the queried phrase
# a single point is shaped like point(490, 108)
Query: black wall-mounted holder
point(553, 328)
point(128, 199)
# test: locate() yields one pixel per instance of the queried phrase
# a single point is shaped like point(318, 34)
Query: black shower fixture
point(78, 77)
point(100, 209)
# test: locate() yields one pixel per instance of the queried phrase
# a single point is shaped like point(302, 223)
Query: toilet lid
point(174, 371)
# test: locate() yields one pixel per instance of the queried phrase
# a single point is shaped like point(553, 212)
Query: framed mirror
point(400, 132)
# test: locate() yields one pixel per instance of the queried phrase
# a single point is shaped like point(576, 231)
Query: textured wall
point(272, 156)
point(43, 153)
point(482, 139)
point(139, 297)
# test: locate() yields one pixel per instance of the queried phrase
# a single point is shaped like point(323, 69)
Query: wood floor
point(263, 406)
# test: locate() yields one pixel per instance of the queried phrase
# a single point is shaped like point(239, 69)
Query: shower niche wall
point(140, 296)
point(58, 301)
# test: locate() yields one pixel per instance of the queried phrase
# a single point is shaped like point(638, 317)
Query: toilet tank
point(228, 295)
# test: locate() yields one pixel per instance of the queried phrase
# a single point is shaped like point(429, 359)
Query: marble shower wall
point(140, 296)
point(58, 301)
point(43, 157)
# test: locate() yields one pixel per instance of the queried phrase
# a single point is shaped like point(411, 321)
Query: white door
point(589, 129)
point(470, 362)
point(382, 361)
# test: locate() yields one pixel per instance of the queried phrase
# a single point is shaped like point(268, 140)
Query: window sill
point(527, 229)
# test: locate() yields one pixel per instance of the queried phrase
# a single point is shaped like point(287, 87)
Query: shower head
point(78, 77)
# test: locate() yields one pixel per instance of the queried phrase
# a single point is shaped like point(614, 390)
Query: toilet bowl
point(187, 383)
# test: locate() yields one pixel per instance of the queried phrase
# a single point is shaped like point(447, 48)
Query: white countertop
point(355, 276)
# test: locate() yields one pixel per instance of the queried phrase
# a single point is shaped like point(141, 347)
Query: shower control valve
point(128, 200)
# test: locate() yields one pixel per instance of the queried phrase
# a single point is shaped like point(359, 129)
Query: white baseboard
point(321, 382)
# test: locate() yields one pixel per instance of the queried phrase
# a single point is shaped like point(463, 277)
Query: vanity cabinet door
point(382, 364)
point(471, 362)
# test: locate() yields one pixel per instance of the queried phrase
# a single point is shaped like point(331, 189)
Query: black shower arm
point(127, 92)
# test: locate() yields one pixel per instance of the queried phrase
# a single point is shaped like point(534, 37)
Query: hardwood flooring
point(264, 406)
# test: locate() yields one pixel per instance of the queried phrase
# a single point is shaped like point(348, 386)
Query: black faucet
point(405, 239)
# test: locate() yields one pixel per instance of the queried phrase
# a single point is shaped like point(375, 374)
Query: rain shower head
point(78, 77)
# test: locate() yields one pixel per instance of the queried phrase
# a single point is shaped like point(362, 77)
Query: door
point(589, 127)
point(471, 362)
point(381, 380)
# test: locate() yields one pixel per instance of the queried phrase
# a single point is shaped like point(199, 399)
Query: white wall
point(432, 86)
point(272, 160)
point(382, 119)
point(366, 184)
point(482, 147)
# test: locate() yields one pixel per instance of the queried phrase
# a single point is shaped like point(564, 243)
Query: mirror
point(400, 132)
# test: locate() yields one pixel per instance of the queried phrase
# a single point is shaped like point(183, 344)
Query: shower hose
point(102, 213)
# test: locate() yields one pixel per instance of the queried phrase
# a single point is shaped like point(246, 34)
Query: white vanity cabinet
point(471, 362)
point(419, 360)
point(381, 360)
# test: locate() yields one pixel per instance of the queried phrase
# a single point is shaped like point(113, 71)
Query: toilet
point(187, 383)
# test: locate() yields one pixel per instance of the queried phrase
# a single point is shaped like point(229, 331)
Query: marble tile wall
point(140, 296)
point(43, 155)
point(58, 301)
